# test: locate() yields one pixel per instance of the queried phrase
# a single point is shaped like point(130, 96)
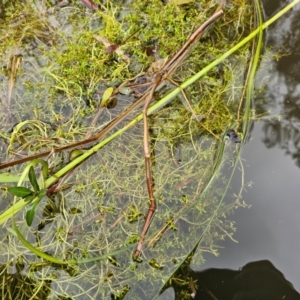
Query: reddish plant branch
point(152, 206)
point(94, 138)
point(168, 68)
point(163, 74)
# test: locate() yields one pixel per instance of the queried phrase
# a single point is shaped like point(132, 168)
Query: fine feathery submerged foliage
point(85, 208)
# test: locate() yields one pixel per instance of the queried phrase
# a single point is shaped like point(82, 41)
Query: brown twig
point(152, 206)
point(182, 53)
point(160, 76)
point(90, 4)
point(163, 74)
point(94, 121)
point(94, 138)
point(166, 72)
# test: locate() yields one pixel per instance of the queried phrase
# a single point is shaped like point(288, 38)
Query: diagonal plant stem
point(160, 76)
point(172, 64)
point(154, 108)
point(165, 100)
point(167, 70)
point(94, 138)
point(152, 206)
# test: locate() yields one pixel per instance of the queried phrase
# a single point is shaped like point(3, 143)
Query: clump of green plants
point(86, 214)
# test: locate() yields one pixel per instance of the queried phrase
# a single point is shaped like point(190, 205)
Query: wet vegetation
point(58, 61)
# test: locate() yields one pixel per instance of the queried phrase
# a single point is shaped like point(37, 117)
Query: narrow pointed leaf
point(32, 178)
point(34, 249)
point(31, 213)
point(20, 191)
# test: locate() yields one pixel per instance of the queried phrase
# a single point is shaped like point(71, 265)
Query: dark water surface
point(270, 229)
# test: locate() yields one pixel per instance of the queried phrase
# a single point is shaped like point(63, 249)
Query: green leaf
point(55, 260)
point(35, 250)
point(32, 178)
point(106, 96)
point(41, 194)
point(30, 198)
point(75, 153)
point(31, 213)
point(20, 191)
point(31, 210)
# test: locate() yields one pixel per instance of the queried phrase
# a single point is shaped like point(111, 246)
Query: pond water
point(270, 228)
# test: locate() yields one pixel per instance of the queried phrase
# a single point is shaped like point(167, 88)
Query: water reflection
point(269, 228)
point(284, 134)
point(258, 280)
point(283, 88)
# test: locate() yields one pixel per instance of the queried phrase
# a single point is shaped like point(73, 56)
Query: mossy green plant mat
point(163, 102)
point(101, 214)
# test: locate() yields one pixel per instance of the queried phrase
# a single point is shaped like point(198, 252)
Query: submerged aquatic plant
point(93, 216)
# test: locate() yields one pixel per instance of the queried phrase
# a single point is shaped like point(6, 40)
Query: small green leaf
point(20, 191)
point(153, 263)
point(33, 181)
point(31, 213)
point(106, 96)
point(125, 90)
point(41, 194)
point(112, 259)
point(75, 153)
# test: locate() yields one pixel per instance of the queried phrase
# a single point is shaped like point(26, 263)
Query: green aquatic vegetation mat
point(99, 209)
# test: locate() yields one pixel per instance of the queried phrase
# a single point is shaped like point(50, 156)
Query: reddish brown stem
point(96, 137)
point(160, 76)
point(181, 54)
point(152, 207)
point(90, 4)
point(167, 69)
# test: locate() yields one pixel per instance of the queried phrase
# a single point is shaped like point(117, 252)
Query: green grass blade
point(250, 87)
point(164, 101)
point(35, 250)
